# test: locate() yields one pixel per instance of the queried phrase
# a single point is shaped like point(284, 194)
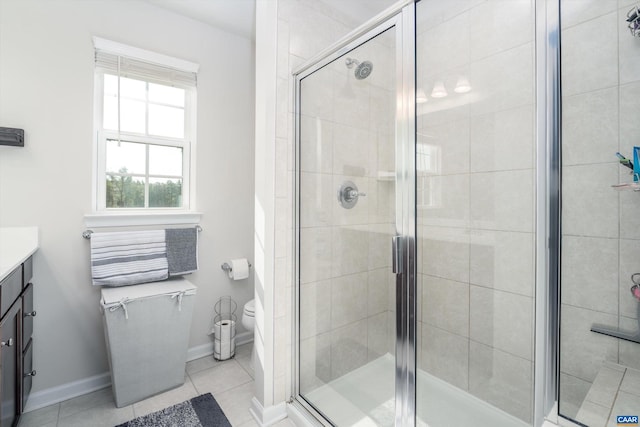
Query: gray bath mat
point(201, 411)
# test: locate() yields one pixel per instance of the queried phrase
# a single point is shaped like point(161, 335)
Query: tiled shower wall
point(600, 227)
point(476, 199)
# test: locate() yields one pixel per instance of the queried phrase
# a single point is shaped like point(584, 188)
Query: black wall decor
point(12, 136)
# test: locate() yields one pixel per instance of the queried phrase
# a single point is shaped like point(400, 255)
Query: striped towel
point(128, 258)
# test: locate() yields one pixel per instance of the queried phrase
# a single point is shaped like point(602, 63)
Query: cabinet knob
point(7, 343)
point(30, 374)
point(30, 314)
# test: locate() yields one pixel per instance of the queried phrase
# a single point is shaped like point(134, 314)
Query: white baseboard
point(267, 416)
point(67, 391)
point(53, 395)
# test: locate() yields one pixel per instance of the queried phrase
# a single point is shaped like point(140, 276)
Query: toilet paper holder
point(227, 268)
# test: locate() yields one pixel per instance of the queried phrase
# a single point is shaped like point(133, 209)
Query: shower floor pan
point(364, 398)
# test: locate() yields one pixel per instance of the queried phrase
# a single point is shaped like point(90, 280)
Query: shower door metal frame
point(402, 17)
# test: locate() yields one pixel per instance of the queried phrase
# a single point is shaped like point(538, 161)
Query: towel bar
point(87, 233)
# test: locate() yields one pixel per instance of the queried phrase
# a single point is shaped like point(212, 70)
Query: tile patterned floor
point(230, 382)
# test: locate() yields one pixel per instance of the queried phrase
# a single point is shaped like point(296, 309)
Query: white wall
point(46, 87)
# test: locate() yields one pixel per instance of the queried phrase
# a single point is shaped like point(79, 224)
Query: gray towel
point(128, 258)
point(182, 250)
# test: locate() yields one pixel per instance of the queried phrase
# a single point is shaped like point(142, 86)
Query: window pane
point(110, 112)
point(165, 160)
point(110, 85)
point(165, 193)
point(130, 88)
point(125, 192)
point(166, 95)
point(166, 121)
point(132, 116)
point(125, 157)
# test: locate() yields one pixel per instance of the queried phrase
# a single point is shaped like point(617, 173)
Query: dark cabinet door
point(10, 353)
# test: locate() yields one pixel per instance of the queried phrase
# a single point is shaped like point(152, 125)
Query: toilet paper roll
point(224, 343)
point(239, 269)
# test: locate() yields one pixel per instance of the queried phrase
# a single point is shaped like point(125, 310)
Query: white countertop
point(16, 245)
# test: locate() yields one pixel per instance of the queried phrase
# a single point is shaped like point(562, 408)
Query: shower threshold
point(364, 397)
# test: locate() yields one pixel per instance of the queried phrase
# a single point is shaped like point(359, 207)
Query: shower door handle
point(396, 254)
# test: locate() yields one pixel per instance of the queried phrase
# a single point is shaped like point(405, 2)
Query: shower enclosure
point(428, 238)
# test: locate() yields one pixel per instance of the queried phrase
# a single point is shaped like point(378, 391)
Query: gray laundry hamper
point(147, 334)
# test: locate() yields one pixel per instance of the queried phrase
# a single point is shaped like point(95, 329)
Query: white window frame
point(103, 216)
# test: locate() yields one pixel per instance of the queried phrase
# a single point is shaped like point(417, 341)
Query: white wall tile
point(445, 304)
point(502, 320)
point(502, 200)
point(453, 210)
point(502, 140)
point(350, 247)
point(577, 11)
point(315, 254)
point(378, 291)
point(348, 348)
point(315, 362)
point(316, 144)
point(500, 25)
point(502, 260)
point(589, 204)
point(583, 352)
point(445, 355)
point(590, 55)
point(503, 80)
point(446, 253)
point(501, 379)
point(453, 142)
point(378, 336)
point(318, 92)
point(380, 236)
point(590, 273)
point(317, 199)
point(430, 13)
point(348, 299)
point(353, 153)
point(315, 308)
point(351, 97)
point(590, 127)
point(446, 45)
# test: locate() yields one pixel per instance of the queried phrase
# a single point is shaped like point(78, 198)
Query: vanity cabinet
point(16, 343)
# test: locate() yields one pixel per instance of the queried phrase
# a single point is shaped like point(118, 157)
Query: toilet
point(249, 315)
point(249, 320)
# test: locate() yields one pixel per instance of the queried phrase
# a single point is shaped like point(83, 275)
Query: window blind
point(135, 68)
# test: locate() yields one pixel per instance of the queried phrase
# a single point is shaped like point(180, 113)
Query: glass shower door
point(475, 211)
point(346, 220)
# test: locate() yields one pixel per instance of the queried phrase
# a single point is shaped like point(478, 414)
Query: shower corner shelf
point(386, 175)
point(633, 186)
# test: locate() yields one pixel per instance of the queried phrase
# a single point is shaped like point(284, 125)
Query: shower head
point(363, 69)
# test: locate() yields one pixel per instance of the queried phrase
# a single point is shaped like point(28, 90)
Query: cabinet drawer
point(27, 315)
point(27, 271)
point(10, 289)
point(27, 373)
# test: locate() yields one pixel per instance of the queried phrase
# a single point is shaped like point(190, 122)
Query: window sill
point(120, 219)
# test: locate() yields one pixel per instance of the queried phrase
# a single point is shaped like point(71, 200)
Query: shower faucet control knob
point(348, 195)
